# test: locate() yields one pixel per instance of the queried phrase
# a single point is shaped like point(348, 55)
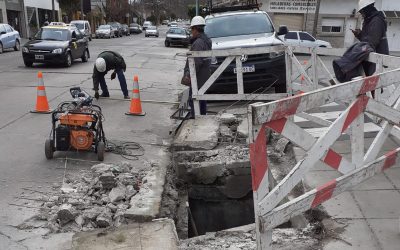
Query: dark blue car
point(9, 38)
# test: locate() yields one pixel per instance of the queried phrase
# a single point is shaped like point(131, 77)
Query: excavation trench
point(212, 181)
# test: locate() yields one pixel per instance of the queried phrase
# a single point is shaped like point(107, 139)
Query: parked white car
point(151, 31)
point(84, 27)
point(303, 39)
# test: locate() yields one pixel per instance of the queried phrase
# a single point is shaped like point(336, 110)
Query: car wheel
point(1, 48)
point(85, 56)
point(17, 46)
point(68, 60)
point(28, 64)
point(167, 44)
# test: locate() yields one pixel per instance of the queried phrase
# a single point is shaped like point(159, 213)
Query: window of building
point(291, 35)
point(332, 25)
point(306, 37)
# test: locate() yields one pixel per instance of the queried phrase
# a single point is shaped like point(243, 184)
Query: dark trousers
point(203, 105)
point(122, 83)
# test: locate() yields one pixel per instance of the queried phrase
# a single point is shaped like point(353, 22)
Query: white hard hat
point(101, 65)
point(364, 3)
point(198, 21)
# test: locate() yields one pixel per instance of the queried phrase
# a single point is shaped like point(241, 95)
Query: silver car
point(151, 31)
point(104, 31)
point(9, 38)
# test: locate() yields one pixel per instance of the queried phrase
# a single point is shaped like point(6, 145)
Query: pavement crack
point(16, 242)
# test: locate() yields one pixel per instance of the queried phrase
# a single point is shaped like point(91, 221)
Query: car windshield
point(80, 26)
point(177, 31)
point(104, 27)
point(53, 34)
point(134, 25)
point(237, 25)
point(151, 28)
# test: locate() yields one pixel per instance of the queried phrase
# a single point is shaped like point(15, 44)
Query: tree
point(70, 7)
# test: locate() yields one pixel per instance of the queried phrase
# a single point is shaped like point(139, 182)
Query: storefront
point(38, 12)
point(15, 15)
point(335, 21)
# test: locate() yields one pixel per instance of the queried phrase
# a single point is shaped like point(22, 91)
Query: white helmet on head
point(364, 3)
point(198, 21)
point(101, 65)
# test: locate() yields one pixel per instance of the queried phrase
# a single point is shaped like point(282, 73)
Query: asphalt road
point(24, 170)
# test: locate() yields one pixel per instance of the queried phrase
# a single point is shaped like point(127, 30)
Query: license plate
point(246, 69)
point(39, 57)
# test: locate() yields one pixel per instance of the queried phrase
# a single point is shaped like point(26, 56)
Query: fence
point(280, 115)
point(230, 56)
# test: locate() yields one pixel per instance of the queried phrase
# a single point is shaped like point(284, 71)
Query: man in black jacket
point(373, 31)
point(200, 42)
point(106, 61)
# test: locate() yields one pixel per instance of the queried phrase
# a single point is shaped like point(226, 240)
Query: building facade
point(37, 13)
point(335, 20)
point(27, 16)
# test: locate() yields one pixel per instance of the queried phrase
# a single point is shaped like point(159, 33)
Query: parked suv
point(9, 38)
point(84, 27)
point(247, 29)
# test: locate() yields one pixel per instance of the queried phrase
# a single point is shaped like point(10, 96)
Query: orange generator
point(77, 125)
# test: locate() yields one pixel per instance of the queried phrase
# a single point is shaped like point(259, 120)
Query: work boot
point(105, 94)
point(126, 97)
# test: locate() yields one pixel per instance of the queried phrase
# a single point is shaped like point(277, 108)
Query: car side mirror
point(283, 30)
point(3, 33)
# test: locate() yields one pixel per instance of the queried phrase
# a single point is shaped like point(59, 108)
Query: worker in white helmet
point(373, 31)
point(106, 61)
point(199, 42)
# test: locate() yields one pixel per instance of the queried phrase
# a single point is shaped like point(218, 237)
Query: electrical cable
point(129, 150)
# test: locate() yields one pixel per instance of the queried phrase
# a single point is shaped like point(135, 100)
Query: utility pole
point(53, 11)
point(82, 10)
point(316, 16)
point(197, 7)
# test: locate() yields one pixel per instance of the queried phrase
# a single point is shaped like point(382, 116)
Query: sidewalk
point(367, 216)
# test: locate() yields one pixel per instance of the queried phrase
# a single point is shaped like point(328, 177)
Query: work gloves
point(113, 75)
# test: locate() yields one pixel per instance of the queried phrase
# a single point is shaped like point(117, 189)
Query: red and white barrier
point(277, 116)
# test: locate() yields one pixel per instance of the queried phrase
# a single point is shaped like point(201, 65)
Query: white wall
point(344, 7)
point(43, 4)
point(390, 5)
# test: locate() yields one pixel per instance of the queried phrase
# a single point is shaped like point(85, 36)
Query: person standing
point(373, 31)
point(200, 42)
point(106, 61)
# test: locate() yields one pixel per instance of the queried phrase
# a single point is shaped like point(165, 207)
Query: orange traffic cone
point(136, 104)
point(42, 105)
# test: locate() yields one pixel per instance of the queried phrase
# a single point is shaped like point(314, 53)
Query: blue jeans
point(122, 83)
point(203, 106)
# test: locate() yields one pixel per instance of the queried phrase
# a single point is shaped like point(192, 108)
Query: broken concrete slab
point(243, 128)
point(197, 134)
point(117, 194)
point(145, 205)
point(227, 118)
point(157, 234)
point(66, 213)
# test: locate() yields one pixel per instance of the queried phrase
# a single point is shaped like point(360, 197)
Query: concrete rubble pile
point(93, 199)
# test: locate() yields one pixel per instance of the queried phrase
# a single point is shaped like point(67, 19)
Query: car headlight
point(276, 54)
point(25, 50)
point(57, 51)
point(214, 60)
